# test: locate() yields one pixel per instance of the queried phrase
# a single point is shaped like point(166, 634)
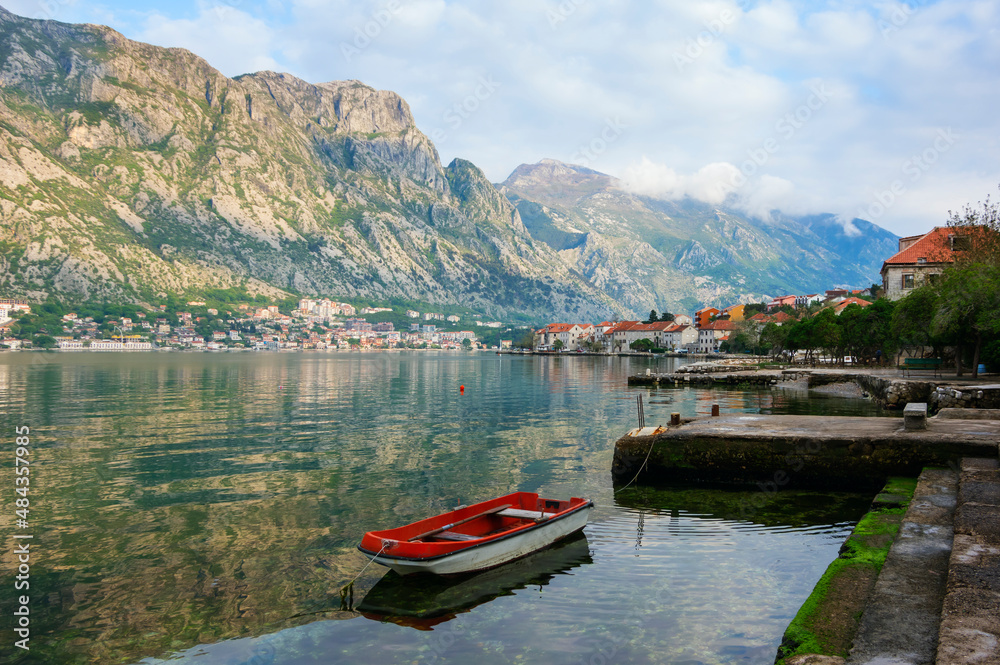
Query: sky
point(885, 111)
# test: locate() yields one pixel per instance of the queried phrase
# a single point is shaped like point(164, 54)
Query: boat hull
point(494, 552)
point(477, 537)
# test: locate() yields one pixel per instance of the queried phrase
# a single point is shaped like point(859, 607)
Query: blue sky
point(886, 110)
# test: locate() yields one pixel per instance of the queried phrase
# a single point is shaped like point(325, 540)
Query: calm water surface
point(205, 508)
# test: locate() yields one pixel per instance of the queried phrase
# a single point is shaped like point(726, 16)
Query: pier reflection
point(766, 506)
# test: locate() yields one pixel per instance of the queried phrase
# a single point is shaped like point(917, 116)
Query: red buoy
point(461, 389)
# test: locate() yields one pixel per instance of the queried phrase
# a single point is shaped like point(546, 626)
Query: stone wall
point(966, 397)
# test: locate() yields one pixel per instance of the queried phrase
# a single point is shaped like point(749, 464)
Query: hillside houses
point(705, 332)
point(712, 334)
point(613, 336)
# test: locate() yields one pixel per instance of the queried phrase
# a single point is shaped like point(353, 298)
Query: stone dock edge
point(828, 620)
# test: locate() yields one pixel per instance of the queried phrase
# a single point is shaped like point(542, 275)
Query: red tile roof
point(777, 317)
point(842, 305)
point(933, 246)
point(556, 328)
point(621, 326)
point(719, 325)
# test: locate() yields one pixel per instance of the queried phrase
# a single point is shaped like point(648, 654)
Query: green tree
point(558, 345)
point(666, 316)
point(653, 316)
point(968, 305)
point(643, 345)
point(911, 321)
point(44, 342)
point(969, 290)
point(776, 339)
point(746, 338)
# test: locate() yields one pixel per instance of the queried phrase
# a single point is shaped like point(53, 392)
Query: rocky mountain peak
point(337, 106)
point(574, 182)
point(136, 171)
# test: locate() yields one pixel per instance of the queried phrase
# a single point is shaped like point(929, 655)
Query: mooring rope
point(349, 587)
point(641, 467)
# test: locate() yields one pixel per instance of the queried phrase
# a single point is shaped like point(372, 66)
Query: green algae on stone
point(827, 621)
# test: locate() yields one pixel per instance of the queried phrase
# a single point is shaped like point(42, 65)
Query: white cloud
point(230, 39)
point(895, 79)
point(767, 194)
point(850, 230)
point(712, 183)
point(716, 183)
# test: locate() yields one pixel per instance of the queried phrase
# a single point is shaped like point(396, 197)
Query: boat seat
point(454, 535)
point(536, 515)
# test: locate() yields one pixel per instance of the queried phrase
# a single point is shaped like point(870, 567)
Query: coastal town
point(321, 323)
point(706, 332)
point(325, 324)
point(313, 324)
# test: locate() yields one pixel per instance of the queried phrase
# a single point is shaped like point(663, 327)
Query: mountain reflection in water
point(187, 510)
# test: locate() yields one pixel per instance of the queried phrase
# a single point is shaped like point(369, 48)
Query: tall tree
point(969, 289)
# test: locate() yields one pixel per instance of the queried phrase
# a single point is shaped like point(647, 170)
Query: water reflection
point(195, 504)
point(424, 601)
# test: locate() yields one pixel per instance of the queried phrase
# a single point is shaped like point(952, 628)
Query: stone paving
point(900, 622)
point(937, 598)
point(970, 626)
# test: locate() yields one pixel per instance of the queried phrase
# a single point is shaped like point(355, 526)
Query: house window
point(908, 281)
point(958, 243)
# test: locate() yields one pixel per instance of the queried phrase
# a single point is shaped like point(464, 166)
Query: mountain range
point(131, 172)
point(683, 254)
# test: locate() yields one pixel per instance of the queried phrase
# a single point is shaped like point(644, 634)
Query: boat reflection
point(424, 601)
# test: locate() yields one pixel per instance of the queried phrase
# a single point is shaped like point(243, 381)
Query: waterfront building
point(920, 260)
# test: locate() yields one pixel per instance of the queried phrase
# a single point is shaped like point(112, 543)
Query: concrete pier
point(970, 617)
point(902, 615)
point(936, 598)
point(799, 451)
point(887, 387)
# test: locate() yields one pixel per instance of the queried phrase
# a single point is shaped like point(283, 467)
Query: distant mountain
point(129, 171)
point(677, 255)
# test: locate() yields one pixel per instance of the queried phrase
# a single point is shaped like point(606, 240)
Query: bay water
point(205, 508)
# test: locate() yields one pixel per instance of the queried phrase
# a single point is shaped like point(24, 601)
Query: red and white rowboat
point(479, 536)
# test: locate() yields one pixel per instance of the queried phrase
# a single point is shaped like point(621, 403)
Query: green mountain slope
point(678, 255)
point(128, 171)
